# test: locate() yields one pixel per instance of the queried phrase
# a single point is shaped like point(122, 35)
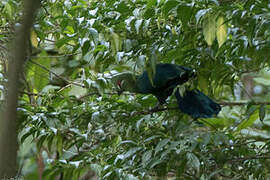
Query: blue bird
point(165, 80)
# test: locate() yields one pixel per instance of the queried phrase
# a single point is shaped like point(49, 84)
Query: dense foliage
point(73, 123)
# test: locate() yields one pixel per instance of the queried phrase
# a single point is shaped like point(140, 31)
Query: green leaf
point(193, 161)
point(94, 34)
point(63, 41)
point(59, 144)
point(160, 145)
point(169, 5)
point(262, 81)
point(41, 76)
point(8, 10)
point(40, 142)
point(26, 135)
point(138, 24)
point(221, 30)
point(116, 42)
point(146, 157)
point(97, 168)
point(184, 12)
point(77, 91)
point(50, 142)
point(248, 122)
point(85, 47)
point(200, 14)
point(131, 177)
point(262, 112)
point(209, 28)
point(131, 152)
point(151, 66)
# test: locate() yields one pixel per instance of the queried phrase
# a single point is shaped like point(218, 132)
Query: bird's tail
point(196, 104)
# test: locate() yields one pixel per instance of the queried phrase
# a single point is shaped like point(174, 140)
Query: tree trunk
point(8, 130)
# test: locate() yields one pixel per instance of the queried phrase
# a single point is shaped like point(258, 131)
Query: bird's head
point(119, 86)
point(124, 82)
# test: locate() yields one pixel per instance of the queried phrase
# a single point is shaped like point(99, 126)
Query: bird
point(166, 79)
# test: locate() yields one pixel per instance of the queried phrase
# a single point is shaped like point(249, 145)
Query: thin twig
point(29, 93)
point(248, 158)
point(56, 75)
point(55, 42)
point(58, 56)
point(243, 103)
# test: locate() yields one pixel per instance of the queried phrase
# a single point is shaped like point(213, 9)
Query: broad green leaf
point(169, 5)
point(59, 43)
point(94, 35)
point(97, 168)
point(34, 39)
point(60, 144)
point(138, 25)
point(85, 47)
point(200, 14)
point(50, 141)
point(151, 138)
point(69, 30)
point(221, 30)
point(248, 122)
point(184, 12)
point(203, 83)
point(41, 75)
point(26, 135)
point(40, 142)
point(160, 145)
point(77, 91)
point(116, 42)
point(151, 66)
point(131, 177)
point(8, 10)
point(151, 3)
point(262, 80)
point(218, 122)
point(131, 152)
point(209, 28)
point(193, 161)
point(146, 157)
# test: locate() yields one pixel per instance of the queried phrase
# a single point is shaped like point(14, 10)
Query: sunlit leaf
point(248, 122)
point(221, 30)
point(34, 39)
point(193, 161)
point(209, 28)
point(161, 144)
point(41, 75)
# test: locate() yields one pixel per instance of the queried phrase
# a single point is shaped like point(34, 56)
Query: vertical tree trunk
point(8, 130)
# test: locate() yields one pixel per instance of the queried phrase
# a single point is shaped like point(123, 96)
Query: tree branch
point(244, 103)
point(56, 75)
point(248, 158)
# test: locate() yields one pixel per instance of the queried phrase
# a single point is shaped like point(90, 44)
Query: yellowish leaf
point(203, 84)
point(221, 30)
point(209, 28)
point(34, 39)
